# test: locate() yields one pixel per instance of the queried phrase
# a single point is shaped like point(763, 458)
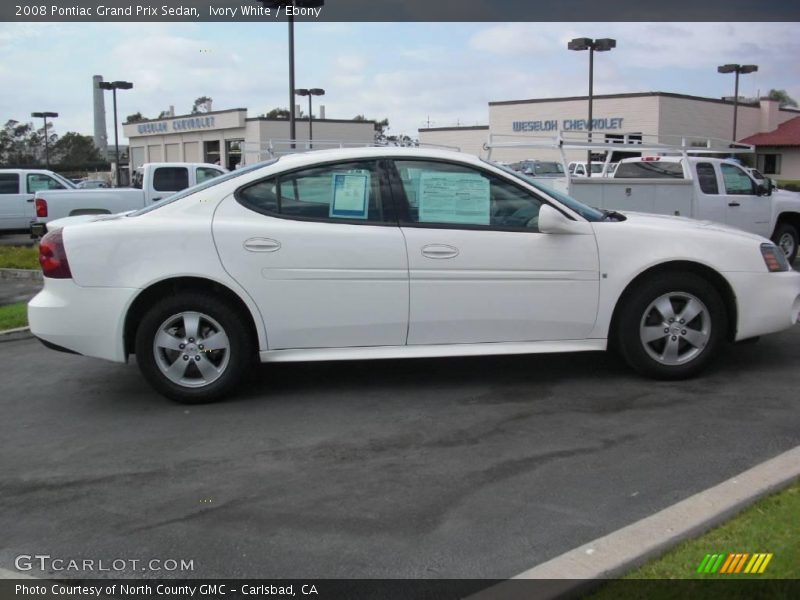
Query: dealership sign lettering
point(569, 124)
point(188, 124)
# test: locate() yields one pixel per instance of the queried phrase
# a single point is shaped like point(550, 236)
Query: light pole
point(599, 45)
point(743, 69)
point(284, 4)
point(114, 86)
point(310, 93)
point(44, 115)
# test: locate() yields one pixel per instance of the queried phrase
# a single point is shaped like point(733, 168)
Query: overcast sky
point(408, 72)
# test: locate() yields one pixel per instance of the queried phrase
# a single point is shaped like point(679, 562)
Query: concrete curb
point(621, 551)
point(12, 335)
point(32, 274)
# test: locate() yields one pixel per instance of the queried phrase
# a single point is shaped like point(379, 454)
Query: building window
point(211, 153)
point(233, 153)
point(769, 164)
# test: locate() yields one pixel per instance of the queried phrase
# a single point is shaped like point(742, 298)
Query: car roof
point(372, 152)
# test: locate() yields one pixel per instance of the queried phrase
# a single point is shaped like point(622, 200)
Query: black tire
point(240, 349)
point(786, 238)
point(637, 312)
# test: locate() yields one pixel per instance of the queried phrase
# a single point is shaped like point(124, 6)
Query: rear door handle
point(262, 245)
point(439, 251)
point(734, 203)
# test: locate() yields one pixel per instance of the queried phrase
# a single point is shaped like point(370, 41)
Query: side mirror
point(764, 189)
point(555, 222)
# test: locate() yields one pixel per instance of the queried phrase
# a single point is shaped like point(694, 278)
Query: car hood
point(667, 222)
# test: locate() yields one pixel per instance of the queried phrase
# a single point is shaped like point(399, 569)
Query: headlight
point(774, 258)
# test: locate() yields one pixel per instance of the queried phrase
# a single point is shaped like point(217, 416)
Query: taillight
point(41, 207)
point(53, 257)
point(651, 158)
point(774, 258)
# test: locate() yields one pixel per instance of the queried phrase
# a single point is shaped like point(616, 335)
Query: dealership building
point(230, 137)
point(657, 117)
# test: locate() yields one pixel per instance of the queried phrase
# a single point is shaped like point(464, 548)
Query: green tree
point(277, 113)
point(134, 118)
point(380, 127)
point(202, 105)
point(21, 144)
point(783, 97)
point(75, 149)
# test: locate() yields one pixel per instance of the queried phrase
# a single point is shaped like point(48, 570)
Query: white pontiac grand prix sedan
point(386, 253)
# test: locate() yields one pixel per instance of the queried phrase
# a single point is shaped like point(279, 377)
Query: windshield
point(203, 186)
point(548, 168)
point(587, 212)
point(65, 182)
point(597, 167)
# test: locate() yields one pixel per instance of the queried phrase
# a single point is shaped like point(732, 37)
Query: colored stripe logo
point(735, 562)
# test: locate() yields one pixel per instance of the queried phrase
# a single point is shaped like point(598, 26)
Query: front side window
point(350, 192)
point(206, 173)
point(440, 193)
point(736, 181)
point(9, 183)
point(38, 182)
point(170, 179)
point(707, 178)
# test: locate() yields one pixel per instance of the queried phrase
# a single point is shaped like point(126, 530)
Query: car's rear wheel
point(672, 326)
point(193, 347)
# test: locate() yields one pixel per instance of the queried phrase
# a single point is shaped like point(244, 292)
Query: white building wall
point(639, 115)
point(263, 134)
point(466, 139)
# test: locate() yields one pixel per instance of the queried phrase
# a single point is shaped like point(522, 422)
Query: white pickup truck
point(710, 189)
point(150, 183)
point(17, 190)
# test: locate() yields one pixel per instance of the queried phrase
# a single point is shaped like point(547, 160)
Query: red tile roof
point(787, 134)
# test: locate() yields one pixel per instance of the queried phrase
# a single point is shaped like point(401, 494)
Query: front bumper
point(766, 302)
point(83, 320)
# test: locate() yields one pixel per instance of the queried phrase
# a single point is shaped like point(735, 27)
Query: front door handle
point(262, 245)
point(734, 203)
point(439, 251)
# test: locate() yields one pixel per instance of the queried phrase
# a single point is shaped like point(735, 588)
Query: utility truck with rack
point(684, 179)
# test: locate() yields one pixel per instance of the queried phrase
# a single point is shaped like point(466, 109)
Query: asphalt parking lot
point(477, 467)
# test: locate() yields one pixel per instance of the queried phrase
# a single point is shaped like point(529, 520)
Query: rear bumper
point(766, 302)
point(38, 230)
point(86, 321)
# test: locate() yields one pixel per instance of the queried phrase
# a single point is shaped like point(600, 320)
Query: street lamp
point(114, 86)
point(278, 4)
point(599, 45)
point(743, 69)
point(310, 93)
point(44, 115)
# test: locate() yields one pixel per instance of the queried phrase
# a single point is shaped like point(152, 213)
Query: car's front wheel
point(193, 347)
point(671, 326)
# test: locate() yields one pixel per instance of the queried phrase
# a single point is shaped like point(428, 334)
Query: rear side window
point(707, 178)
point(170, 179)
point(9, 183)
point(349, 192)
point(651, 169)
